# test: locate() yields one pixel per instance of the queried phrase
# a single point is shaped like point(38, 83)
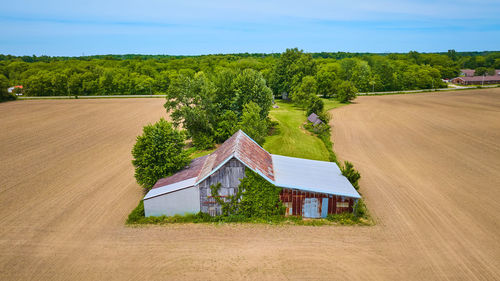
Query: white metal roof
point(311, 175)
point(170, 188)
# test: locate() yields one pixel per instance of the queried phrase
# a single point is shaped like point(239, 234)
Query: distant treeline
point(153, 74)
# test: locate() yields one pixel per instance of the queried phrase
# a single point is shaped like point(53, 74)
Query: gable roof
point(243, 148)
point(313, 118)
point(282, 171)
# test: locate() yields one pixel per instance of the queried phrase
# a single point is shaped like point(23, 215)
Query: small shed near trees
point(310, 188)
point(314, 119)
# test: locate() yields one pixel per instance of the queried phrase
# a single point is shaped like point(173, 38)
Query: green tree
point(159, 152)
point(252, 124)
point(303, 93)
point(316, 105)
point(289, 70)
point(190, 103)
point(346, 92)
point(326, 82)
point(227, 126)
point(250, 86)
point(484, 71)
point(4, 85)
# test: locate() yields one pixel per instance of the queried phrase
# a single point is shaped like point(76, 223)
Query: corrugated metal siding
point(297, 200)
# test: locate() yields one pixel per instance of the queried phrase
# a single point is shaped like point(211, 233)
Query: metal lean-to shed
point(310, 188)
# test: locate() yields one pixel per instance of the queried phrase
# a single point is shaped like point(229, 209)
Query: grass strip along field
point(290, 138)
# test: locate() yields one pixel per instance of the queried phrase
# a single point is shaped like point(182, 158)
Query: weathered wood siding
point(294, 201)
point(229, 176)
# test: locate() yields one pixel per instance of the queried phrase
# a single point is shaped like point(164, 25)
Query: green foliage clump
point(346, 92)
point(351, 174)
point(4, 85)
point(158, 152)
point(289, 70)
point(259, 198)
point(137, 214)
point(256, 198)
point(252, 124)
point(209, 107)
point(302, 94)
point(316, 105)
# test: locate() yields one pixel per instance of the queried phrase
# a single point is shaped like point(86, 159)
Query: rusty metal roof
point(191, 171)
point(481, 78)
point(243, 148)
point(282, 171)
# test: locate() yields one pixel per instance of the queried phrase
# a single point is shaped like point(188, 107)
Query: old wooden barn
point(310, 188)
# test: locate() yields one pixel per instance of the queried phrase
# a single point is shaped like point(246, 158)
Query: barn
point(310, 188)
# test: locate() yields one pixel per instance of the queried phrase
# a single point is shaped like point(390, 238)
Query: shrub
point(158, 152)
point(137, 214)
point(351, 174)
point(346, 92)
point(360, 209)
point(315, 105)
point(4, 94)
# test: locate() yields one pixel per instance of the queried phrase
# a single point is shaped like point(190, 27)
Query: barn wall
point(175, 203)
point(294, 201)
point(229, 176)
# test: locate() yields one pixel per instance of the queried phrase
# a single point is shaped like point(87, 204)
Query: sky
point(91, 27)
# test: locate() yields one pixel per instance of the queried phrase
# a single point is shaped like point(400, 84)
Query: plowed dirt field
point(431, 177)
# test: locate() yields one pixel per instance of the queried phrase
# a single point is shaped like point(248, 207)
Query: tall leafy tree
point(252, 124)
point(250, 86)
point(158, 153)
point(289, 70)
point(346, 92)
point(303, 93)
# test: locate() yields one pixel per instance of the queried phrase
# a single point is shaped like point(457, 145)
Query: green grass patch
point(193, 153)
point(332, 103)
point(289, 138)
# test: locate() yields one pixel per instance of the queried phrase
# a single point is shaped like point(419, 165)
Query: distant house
point(314, 119)
point(11, 89)
point(477, 80)
point(310, 188)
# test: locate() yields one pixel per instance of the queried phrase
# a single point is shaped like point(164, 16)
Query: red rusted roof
point(239, 146)
point(191, 171)
point(246, 150)
point(481, 78)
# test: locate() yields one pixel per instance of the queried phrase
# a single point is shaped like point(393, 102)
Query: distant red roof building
point(477, 80)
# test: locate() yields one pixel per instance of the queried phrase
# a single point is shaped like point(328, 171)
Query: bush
point(137, 214)
point(360, 210)
point(158, 152)
point(351, 174)
point(315, 105)
point(346, 92)
point(4, 94)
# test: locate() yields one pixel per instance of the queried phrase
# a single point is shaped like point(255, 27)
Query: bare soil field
point(430, 174)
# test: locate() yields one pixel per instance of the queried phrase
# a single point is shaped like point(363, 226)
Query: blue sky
point(73, 28)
